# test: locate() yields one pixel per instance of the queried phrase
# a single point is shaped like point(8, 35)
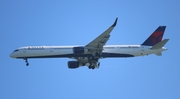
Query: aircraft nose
point(12, 55)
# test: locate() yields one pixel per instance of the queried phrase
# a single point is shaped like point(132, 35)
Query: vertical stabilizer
point(155, 37)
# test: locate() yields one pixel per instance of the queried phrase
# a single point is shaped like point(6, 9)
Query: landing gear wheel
point(27, 64)
point(93, 67)
point(98, 64)
point(89, 67)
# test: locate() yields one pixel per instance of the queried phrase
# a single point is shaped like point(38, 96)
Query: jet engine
point(73, 64)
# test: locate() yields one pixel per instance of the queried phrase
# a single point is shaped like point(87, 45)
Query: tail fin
point(155, 37)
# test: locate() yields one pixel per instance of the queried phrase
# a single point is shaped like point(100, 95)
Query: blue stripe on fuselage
point(104, 55)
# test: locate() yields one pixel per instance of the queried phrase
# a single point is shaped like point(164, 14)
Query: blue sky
point(65, 22)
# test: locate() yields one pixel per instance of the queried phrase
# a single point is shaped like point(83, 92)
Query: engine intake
point(73, 64)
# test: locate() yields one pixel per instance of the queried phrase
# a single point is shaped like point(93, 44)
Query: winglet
point(115, 22)
point(160, 44)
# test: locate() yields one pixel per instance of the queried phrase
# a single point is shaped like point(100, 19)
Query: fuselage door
point(24, 50)
point(51, 49)
point(142, 48)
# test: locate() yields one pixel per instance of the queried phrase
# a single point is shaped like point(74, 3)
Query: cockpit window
point(16, 50)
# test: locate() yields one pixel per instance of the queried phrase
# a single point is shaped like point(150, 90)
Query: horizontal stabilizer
point(159, 54)
point(160, 44)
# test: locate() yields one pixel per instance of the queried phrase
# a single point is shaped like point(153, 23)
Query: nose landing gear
point(26, 61)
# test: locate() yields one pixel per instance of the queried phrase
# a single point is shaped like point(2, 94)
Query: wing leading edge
point(100, 41)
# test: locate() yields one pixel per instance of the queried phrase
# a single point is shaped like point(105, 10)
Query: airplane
point(90, 54)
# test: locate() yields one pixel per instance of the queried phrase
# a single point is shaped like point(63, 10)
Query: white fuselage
point(67, 51)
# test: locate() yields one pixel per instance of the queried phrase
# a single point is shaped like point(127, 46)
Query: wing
point(97, 44)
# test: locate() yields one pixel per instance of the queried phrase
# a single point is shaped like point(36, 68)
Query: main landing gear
point(94, 65)
point(93, 62)
point(26, 61)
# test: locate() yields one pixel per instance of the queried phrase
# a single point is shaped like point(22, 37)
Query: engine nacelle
point(80, 50)
point(73, 64)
